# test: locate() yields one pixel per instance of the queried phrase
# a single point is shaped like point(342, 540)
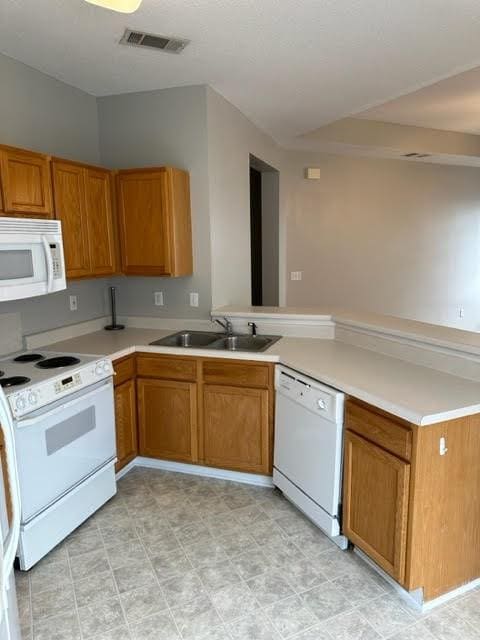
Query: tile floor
point(176, 557)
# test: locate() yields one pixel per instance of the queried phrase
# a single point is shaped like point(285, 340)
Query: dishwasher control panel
point(313, 395)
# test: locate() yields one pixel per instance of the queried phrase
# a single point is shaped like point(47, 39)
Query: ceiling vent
point(153, 41)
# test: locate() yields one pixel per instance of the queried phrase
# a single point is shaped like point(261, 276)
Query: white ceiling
point(290, 66)
point(452, 105)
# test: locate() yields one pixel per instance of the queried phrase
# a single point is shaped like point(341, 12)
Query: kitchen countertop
point(418, 394)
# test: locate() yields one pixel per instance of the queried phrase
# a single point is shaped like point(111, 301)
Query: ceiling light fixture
point(123, 6)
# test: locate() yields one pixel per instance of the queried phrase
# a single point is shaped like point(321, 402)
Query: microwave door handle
point(11, 543)
point(65, 405)
point(49, 261)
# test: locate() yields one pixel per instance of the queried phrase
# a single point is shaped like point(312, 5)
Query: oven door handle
point(28, 422)
point(49, 261)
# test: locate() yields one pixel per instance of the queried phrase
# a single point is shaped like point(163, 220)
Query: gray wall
point(43, 114)
point(40, 113)
point(387, 236)
point(167, 127)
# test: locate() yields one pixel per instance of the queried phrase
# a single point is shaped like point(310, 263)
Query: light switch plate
point(193, 299)
point(158, 298)
point(73, 303)
point(296, 275)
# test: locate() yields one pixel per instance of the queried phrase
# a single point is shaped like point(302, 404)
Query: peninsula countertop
point(415, 393)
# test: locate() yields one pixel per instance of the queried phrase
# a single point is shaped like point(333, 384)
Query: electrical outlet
point(73, 303)
point(158, 298)
point(296, 275)
point(193, 299)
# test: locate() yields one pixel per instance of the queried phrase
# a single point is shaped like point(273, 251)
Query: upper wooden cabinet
point(26, 184)
point(155, 225)
point(98, 197)
point(84, 205)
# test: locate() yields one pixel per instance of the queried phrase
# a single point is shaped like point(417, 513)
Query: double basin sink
point(217, 341)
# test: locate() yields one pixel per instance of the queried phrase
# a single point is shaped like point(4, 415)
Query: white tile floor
point(175, 556)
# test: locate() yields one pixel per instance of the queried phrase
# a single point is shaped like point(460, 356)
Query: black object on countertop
point(113, 303)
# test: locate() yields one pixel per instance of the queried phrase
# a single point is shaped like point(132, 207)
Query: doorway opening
point(264, 232)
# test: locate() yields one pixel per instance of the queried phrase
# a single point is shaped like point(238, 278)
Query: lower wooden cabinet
point(6, 483)
point(125, 411)
point(375, 508)
point(210, 411)
point(236, 428)
point(167, 413)
point(126, 423)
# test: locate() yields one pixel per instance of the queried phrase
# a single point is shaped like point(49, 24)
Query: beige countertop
point(423, 332)
point(418, 394)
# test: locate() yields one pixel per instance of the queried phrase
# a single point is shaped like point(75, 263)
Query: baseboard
point(197, 470)
point(415, 598)
point(128, 467)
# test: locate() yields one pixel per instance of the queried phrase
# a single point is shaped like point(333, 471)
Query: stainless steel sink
point(192, 339)
point(244, 343)
point(217, 341)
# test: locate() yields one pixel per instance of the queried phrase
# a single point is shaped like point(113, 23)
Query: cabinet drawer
point(124, 369)
point(167, 367)
point(240, 374)
point(387, 432)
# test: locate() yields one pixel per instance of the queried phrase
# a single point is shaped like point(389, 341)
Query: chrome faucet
point(253, 326)
point(225, 324)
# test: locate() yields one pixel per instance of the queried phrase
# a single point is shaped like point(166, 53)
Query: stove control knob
point(106, 367)
point(20, 403)
point(33, 398)
point(98, 370)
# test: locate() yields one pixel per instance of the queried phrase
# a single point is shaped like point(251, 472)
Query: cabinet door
point(143, 222)
point(236, 430)
point(126, 423)
point(69, 191)
point(26, 183)
point(99, 221)
point(167, 413)
point(375, 503)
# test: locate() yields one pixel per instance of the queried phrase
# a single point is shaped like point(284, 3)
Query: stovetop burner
point(29, 357)
point(14, 381)
point(57, 362)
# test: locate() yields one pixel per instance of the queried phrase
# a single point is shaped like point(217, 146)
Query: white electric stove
point(64, 428)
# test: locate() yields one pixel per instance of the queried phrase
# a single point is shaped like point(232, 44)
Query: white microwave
point(31, 258)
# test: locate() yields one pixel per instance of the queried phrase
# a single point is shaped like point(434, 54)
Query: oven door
point(60, 446)
point(31, 265)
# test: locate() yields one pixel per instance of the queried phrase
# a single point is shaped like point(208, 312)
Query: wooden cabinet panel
point(167, 413)
point(375, 503)
point(69, 192)
point(126, 423)
point(388, 432)
point(155, 227)
point(124, 369)
point(142, 210)
point(26, 183)
point(242, 374)
point(100, 221)
point(6, 482)
point(83, 202)
point(236, 430)
point(166, 367)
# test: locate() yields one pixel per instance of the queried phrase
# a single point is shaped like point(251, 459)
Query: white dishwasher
point(308, 448)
